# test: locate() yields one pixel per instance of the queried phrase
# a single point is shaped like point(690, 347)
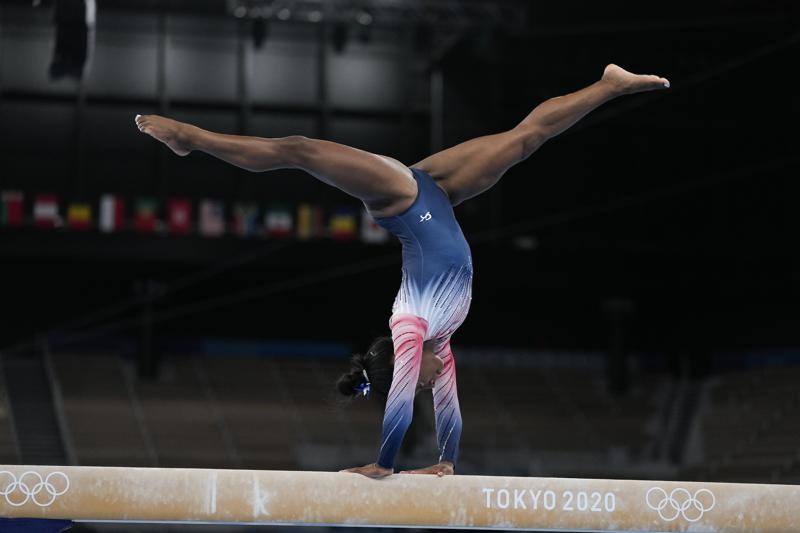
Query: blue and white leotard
point(432, 303)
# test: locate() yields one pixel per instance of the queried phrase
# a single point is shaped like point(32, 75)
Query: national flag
point(212, 218)
point(112, 213)
point(11, 208)
point(278, 221)
point(245, 219)
point(79, 216)
point(146, 218)
point(45, 211)
point(179, 216)
point(371, 232)
point(343, 225)
point(309, 222)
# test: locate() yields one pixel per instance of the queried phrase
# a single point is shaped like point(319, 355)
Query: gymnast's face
point(429, 370)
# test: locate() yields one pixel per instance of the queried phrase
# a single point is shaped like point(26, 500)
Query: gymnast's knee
point(530, 138)
point(297, 151)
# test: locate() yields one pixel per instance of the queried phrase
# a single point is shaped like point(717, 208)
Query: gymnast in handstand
point(416, 205)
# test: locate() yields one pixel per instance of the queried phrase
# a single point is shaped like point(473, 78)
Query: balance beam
point(110, 494)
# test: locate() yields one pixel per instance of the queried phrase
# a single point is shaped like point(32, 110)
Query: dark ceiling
point(684, 203)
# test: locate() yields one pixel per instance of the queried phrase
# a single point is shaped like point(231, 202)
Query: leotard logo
point(424, 218)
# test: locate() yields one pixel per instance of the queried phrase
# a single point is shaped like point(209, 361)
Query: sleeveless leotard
point(433, 301)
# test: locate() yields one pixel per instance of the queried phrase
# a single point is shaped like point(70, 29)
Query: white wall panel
point(26, 57)
point(201, 59)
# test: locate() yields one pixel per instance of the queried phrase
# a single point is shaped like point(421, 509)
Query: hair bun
point(347, 383)
point(378, 363)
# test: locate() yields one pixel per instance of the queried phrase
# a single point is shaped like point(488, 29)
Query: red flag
point(278, 221)
point(45, 211)
point(11, 208)
point(179, 211)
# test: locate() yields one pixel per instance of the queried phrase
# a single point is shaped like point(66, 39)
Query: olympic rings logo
point(31, 486)
point(680, 502)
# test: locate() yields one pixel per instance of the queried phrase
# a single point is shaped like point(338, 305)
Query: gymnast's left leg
point(472, 167)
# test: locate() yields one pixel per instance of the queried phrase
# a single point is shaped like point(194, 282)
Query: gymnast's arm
point(447, 414)
point(408, 335)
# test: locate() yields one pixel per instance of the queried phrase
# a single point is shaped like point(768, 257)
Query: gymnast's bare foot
point(625, 82)
point(373, 470)
point(168, 131)
point(443, 468)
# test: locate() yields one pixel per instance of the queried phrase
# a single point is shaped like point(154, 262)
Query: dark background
point(636, 280)
point(680, 203)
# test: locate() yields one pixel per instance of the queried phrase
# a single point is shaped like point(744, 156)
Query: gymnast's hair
point(377, 363)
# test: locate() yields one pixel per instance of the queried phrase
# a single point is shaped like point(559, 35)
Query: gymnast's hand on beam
point(371, 470)
point(445, 468)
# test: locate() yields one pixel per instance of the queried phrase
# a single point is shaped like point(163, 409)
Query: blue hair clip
point(364, 388)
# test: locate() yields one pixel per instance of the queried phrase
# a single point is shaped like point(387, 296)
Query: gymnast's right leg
point(385, 185)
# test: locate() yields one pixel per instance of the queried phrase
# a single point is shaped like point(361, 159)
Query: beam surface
point(111, 494)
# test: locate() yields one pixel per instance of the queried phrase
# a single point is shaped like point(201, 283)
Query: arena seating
point(520, 418)
point(750, 427)
point(262, 412)
point(8, 446)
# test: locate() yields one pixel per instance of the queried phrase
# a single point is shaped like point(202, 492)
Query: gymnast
point(416, 205)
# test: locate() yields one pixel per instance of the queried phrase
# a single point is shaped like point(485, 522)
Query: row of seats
point(750, 427)
point(268, 412)
point(283, 413)
point(8, 444)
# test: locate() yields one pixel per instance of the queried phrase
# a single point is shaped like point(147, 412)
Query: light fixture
point(364, 17)
point(341, 34)
point(75, 20)
point(285, 14)
point(260, 32)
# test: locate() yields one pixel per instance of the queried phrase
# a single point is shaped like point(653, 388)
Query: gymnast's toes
point(626, 82)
